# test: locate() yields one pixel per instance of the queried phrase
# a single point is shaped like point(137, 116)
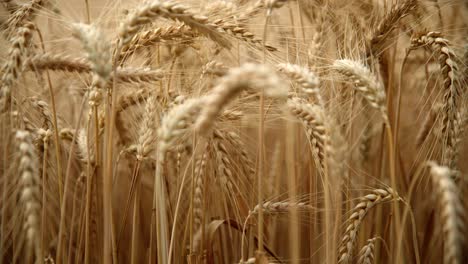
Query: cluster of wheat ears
point(233, 131)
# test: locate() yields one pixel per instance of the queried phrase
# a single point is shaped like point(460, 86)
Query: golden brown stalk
point(366, 255)
point(366, 203)
point(451, 213)
point(30, 196)
point(14, 65)
point(364, 82)
point(451, 98)
point(248, 76)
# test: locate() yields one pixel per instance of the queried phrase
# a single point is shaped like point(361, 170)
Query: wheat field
point(233, 131)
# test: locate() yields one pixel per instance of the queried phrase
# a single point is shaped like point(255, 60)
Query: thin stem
point(67, 173)
point(133, 184)
point(44, 211)
point(54, 123)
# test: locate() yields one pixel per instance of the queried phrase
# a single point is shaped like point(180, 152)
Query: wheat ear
point(451, 97)
point(378, 196)
point(366, 255)
point(452, 212)
point(24, 14)
point(313, 118)
point(168, 9)
point(364, 82)
point(387, 24)
point(147, 133)
point(308, 81)
point(248, 76)
point(57, 62)
point(173, 126)
point(199, 191)
point(98, 53)
point(14, 65)
point(30, 194)
point(180, 33)
point(272, 208)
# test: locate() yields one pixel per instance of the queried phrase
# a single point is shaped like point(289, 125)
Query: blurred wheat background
point(233, 131)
